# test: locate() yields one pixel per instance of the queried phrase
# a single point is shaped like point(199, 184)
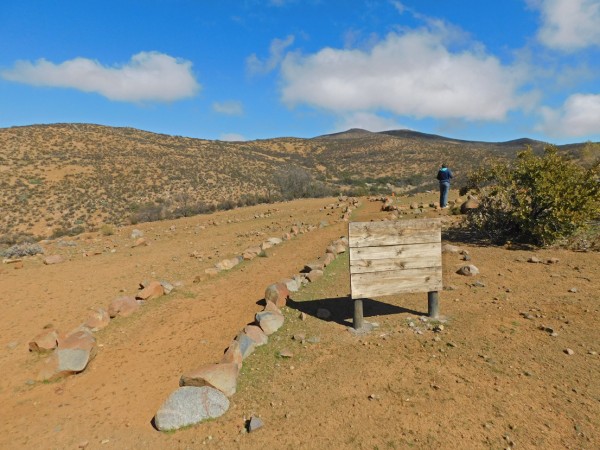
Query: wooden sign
point(395, 257)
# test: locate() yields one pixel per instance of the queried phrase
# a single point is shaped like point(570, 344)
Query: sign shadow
point(342, 308)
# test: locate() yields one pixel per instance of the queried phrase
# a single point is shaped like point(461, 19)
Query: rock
point(98, 319)
point(269, 321)
point(534, 260)
point(233, 354)
point(266, 245)
point(340, 248)
point(469, 205)
point(323, 313)
point(414, 206)
point(190, 405)
point(293, 285)
point(246, 256)
point(167, 287)
point(478, 284)
point(299, 337)
point(274, 241)
point(573, 290)
point(254, 250)
point(256, 334)
point(569, 351)
point(254, 424)
point(53, 259)
point(139, 242)
point(211, 271)
point(46, 341)
point(303, 316)
point(328, 259)
point(468, 271)
point(270, 306)
point(246, 344)
point(152, 291)
point(71, 356)
point(552, 261)
point(330, 249)
point(123, 306)
point(448, 248)
point(135, 233)
point(277, 293)
point(228, 264)
point(314, 275)
point(219, 376)
point(286, 353)
point(316, 265)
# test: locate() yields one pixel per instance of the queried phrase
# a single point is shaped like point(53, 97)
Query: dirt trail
point(491, 379)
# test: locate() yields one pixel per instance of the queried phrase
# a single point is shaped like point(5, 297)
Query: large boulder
point(123, 306)
point(277, 293)
point(190, 405)
point(220, 376)
point(291, 284)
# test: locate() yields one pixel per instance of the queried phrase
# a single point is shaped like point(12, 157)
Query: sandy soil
point(491, 379)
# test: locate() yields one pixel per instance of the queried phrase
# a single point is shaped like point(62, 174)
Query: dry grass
point(67, 178)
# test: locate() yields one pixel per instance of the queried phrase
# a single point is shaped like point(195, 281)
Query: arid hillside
point(68, 178)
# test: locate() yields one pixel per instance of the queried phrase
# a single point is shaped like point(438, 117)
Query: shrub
point(107, 230)
point(24, 249)
point(294, 182)
point(539, 199)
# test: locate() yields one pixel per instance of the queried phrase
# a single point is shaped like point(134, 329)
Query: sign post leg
point(358, 314)
point(432, 303)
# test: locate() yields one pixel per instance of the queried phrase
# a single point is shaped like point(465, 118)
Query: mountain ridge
point(73, 176)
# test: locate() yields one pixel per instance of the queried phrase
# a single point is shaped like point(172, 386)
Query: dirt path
point(491, 379)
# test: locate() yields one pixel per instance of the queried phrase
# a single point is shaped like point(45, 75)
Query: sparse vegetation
point(65, 178)
point(24, 249)
point(538, 199)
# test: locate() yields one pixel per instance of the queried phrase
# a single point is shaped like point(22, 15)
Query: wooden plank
point(378, 284)
point(416, 231)
point(381, 265)
point(398, 252)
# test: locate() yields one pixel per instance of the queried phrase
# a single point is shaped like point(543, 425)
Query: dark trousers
point(444, 188)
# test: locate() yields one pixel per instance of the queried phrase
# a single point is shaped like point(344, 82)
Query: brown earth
point(490, 379)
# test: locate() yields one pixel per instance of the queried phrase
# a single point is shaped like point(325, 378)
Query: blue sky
point(250, 69)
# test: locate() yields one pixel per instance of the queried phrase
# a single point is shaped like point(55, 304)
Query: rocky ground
point(514, 363)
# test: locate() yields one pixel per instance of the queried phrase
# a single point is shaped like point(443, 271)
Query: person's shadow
point(342, 308)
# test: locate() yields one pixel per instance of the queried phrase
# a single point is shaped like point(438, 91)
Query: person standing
point(444, 176)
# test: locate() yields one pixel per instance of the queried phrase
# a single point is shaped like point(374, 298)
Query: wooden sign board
point(395, 257)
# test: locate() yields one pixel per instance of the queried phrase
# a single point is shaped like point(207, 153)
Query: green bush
point(537, 199)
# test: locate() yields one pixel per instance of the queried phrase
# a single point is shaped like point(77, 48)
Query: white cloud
point(569, 25)
point(578, 116)
point(276, 52)
point(230, 108)
point(148, 76)
point(367, 121)
point(399, 6)
point(232, 137)
point(414, 74)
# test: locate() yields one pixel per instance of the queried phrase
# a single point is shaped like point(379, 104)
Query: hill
point(67, 178)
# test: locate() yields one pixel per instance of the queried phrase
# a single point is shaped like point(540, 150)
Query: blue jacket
point(444, 175)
